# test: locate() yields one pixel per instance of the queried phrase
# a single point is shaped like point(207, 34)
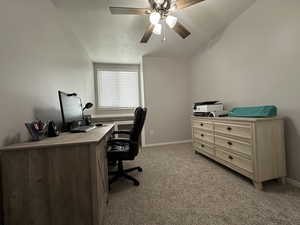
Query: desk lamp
point(87, 106)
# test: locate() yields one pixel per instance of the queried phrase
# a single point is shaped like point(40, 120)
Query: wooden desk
point(56, 181)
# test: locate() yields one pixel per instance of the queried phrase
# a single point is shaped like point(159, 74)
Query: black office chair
point(120, 149)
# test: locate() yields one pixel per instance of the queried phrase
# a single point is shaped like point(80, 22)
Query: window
point(117, 86)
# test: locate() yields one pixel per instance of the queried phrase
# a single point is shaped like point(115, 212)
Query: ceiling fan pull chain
point(164, 31)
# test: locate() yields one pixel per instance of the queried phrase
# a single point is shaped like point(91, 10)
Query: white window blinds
point(118, 89)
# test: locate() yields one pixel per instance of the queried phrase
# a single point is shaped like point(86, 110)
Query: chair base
point(123, 173)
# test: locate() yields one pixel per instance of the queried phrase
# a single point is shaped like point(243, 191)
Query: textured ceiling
point(115, 38)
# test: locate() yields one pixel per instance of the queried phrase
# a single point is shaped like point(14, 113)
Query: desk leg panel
point(99, 181)
point(15, 187)
point(70, 185)
point(47, 186)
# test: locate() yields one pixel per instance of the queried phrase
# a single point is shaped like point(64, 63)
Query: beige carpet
point(181, 188)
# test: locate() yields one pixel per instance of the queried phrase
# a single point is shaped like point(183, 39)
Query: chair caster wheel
point(140, 169)
point(136, 183)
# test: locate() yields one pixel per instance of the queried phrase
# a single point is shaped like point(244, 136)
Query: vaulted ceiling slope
point(116, 38)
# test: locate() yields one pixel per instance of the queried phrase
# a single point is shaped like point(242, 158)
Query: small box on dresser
point(253, 147)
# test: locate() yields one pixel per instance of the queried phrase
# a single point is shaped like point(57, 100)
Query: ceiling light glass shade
point(154, 18)
point(171, 21)
point(157, 29)
point(159, 1)
point(173, 7)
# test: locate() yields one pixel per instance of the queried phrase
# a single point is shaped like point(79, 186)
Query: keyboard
point(82, 129)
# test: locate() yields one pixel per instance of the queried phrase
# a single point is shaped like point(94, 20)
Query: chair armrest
point(121, 132)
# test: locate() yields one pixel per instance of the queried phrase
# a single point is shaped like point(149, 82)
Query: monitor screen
point(71, 107)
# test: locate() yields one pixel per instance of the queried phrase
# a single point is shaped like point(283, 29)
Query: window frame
point(115, 67)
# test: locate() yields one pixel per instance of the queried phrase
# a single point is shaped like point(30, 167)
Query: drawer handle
point(202, 135)
point(229, 143)
point(201, 124)
point(229, 128)
point(230, 157)
point(202, 146)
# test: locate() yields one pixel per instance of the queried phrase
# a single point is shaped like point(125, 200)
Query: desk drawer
point(202, 124)
point(203, 135)
point(238, 161)
point(242, 130)
point(203, 147)
point(238, 147)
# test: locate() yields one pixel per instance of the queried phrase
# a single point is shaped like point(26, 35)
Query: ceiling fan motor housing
point(162, 8)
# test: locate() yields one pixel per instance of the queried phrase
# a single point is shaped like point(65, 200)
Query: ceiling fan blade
point(181, 30)
point(181, 4)
point(147, 34)
point(129, 11)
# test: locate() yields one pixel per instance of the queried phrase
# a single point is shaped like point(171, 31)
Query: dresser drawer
point(238, 161)
point(203, 135)
point(242, 130)
point(205, 125)
point(236, 146)
point(203, 147)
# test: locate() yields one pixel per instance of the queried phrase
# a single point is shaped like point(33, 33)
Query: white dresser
point(253, 147)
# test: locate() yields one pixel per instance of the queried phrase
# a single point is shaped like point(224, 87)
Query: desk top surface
point(93, 136)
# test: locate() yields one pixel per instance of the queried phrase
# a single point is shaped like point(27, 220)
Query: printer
point(209, 109)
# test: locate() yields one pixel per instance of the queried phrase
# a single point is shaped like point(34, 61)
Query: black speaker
point(52, 129)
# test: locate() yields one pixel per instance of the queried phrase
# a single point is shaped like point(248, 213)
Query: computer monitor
point(71, 109)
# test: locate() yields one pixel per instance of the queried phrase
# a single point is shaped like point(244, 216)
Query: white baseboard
point(293, 182)
point(166, 143)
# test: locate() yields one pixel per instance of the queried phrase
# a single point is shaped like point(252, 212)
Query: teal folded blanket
point(256, 111)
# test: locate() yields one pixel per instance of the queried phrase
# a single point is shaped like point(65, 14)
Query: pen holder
point(37, 129)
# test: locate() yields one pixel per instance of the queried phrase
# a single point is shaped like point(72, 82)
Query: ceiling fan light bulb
point(159, 2)
point(157, 29)
point(173, 7)
point(154, 18)
point(171, 21)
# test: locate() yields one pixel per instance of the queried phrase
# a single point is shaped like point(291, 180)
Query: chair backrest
point(138, 124)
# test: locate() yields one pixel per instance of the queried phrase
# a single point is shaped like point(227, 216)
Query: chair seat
point(119, 147)
point(119, 151)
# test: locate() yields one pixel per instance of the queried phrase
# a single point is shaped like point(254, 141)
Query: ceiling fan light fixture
point(157, 29)
point(159, 15)
point(171, 21)
point(154, 18)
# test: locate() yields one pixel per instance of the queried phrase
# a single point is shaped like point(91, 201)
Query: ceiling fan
point(159, 12)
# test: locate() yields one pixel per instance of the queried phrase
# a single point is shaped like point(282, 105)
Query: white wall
point(38, 56)
point(256, 62)
point(167, 97)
